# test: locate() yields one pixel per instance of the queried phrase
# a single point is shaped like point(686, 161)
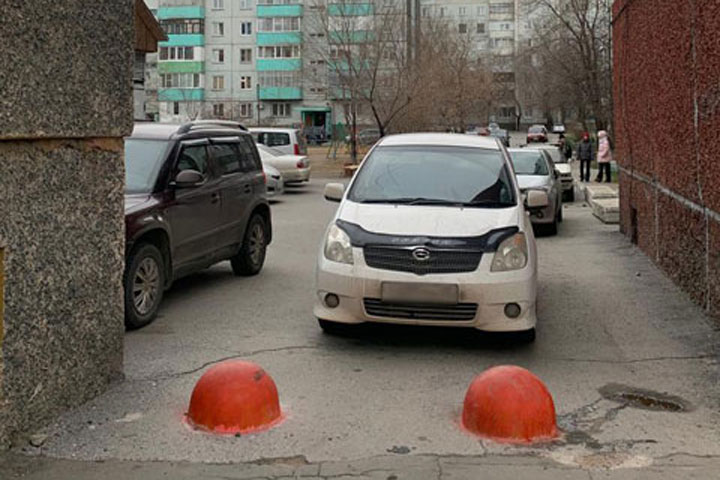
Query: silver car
point(274, 183)
point(535, 170)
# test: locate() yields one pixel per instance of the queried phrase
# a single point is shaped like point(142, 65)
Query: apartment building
point(266, 61)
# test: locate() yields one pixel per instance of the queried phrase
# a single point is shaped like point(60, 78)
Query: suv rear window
point(274, 139)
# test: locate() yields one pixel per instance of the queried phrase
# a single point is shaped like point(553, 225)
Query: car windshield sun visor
point(359, 237)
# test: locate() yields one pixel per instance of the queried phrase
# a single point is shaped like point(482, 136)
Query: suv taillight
point(296, 149)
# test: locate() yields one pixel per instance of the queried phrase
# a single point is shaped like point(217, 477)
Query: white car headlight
point(512, 254)
point(337, 246)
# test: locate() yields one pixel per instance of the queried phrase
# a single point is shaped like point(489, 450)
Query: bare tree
point(572, 53)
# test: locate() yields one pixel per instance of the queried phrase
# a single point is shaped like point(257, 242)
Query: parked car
point(290, 141)
point(500, 134)
point(274, 183)
point(558, 128)
point(293, 168)
point(367, 136)
point(537, 133)
point(194, 196)
point(432, 230)
point(564, 169)
point(535, 171)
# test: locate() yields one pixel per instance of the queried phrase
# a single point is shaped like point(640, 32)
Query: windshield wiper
point(489, 203)
point(414, 201)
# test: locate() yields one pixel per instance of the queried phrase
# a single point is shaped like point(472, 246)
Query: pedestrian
point(565, 148)
point(604, 156)
point(586, 154)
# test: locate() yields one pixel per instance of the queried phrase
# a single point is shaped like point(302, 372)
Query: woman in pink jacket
point(604, 156)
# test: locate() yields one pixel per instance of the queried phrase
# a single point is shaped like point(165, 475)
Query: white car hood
point(563, 168)
point(532, 181)
point(428, 220)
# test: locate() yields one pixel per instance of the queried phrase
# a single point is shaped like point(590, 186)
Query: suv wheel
point(251, 257)
point(144, 283)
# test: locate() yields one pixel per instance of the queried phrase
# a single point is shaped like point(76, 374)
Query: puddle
point(644, 399)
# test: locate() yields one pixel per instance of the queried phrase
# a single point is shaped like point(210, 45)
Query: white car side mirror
point(334, 192)
point(537, 199)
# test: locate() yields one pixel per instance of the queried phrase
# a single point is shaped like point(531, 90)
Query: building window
point(219, 110)
point(245, 83)
point(218, 29)
point(425, 11)
point(281, 110)
point(462, 11)
point(180, 80)
point(278, 2)
point(219, 55)
point(442, 11)
point(177, 53)
point(218, 82)
point(480, 28)
point(279, 24)
point(183, 25)
point(245, 4)
point(245, 55)
point(176, 108)
point(462, 28)
point(280, 79)
point(501, 8)
point(246, 110)
point(506, 112)
point(279, 51)
point(218, 5)
point(246, 28)
point(481, 11)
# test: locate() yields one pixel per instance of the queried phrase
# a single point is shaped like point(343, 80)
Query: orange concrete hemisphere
point(511, 405)
point(234, 397)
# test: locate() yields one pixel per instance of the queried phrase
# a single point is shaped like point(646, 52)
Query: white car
point(432, 230)
point(562, 165)
point(294, 168)
point(287, 140)
point(274, 184)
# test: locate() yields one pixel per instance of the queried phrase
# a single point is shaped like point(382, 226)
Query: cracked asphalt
point(384, 403)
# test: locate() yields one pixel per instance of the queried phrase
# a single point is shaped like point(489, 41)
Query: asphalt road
point(385, 402)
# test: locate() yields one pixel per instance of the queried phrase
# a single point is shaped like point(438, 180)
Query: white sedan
point(294, 168)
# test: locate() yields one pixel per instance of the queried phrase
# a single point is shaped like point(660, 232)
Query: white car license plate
point(422, 293)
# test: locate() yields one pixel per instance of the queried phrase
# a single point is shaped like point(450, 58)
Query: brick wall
point(667, 135)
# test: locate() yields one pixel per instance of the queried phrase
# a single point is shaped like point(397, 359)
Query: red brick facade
point(667, 136)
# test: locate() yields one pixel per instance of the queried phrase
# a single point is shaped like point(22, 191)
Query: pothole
point(644, 399)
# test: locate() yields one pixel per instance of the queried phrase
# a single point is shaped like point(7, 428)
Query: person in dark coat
point(586, 154)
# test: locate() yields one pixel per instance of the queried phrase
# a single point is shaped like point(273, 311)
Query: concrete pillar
point(65, 106)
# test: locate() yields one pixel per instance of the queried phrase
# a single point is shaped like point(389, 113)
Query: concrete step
point(599, 192)
point(606, 209)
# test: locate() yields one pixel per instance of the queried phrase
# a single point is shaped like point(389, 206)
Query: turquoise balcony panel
point(350, 9)
point(278, 38)
point(278, 64)
point(181, 94)
point(358, 36)
point(181, 12)
point(280, 93)
point(264, 11)
point(184, 40)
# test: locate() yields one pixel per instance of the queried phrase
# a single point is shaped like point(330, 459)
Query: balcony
point(280, 93)
point(266, 11)
point(165, 13)
point(350, 9)
point(181, 94)
point(278, 64)
point(184, 40)
point(180, 67)
point(278, 38)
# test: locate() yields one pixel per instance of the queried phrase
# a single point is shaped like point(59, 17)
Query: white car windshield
point(435, 175)
point(529, 163)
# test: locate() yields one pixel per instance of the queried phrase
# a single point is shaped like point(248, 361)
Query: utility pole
point(408, 29)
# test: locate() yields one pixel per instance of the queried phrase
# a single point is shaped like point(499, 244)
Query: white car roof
point(443, 139)
point(272, 129)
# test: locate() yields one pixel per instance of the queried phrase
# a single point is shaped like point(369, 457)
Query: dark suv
point(194, 196)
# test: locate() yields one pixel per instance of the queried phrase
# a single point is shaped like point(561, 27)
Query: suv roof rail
point(186, 127)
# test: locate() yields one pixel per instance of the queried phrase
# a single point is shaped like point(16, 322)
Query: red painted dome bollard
point(511, 405)
point(234, 397)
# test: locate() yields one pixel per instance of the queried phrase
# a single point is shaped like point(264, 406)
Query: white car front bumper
point(491, 292)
